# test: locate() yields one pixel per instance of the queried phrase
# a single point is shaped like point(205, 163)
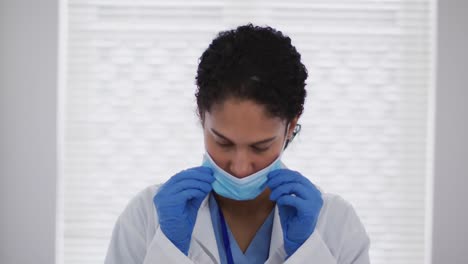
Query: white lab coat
point(339, 237)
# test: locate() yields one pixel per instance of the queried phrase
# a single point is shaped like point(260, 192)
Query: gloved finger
point(191, 194)
point(303, 207)
point(188, 184)
point(283, 176)
point(289, 200)
point(202, 169)
point(196, 202)
point(292, 188)
point(200, 173)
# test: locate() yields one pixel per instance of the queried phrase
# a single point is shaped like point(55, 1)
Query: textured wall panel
point(131, 121)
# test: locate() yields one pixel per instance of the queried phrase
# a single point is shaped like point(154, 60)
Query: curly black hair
point(255, 63)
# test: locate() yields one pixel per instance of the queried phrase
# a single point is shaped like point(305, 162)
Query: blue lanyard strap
point(227, 246)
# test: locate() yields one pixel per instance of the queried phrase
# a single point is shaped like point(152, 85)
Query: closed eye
point(258, 149)
point(255, 148)
point(225, 145)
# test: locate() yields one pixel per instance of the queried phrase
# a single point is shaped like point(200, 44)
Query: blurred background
point(97, 102)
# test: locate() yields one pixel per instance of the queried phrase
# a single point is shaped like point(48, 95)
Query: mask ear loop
point(294, 133)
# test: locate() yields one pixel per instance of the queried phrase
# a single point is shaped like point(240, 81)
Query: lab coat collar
point(276, 244)
point(203, 234)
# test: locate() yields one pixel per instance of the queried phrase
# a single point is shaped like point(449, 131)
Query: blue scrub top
point(257, 251)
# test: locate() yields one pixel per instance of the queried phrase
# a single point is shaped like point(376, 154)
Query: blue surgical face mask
point(247, 188)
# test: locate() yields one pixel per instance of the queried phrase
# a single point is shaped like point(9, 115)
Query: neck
point(261, 204)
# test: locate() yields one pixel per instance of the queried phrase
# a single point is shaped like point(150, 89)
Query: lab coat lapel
point(276, 232)
point(203, 232)
point(277, 253)
point(203, 235)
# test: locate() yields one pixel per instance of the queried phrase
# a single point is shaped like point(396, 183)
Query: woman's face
point(242, 138)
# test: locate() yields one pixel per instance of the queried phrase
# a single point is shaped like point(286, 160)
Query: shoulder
point(134, 229)
point(141, 204)
point(140, 213)
point(146, 195)
point(335, 207)
point(340, 225)
point(337, 212)
point(339, 236)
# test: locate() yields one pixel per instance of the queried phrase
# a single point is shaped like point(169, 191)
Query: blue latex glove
point(299, 203)
point(178, 201)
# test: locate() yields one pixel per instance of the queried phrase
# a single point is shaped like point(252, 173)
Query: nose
point(241, 165)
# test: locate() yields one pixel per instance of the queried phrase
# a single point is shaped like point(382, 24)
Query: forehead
point(243, 120)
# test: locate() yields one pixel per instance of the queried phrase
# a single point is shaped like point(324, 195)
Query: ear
point(292, 127)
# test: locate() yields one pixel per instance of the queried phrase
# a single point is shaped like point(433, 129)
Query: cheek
point(215, 151)
point(219, 156)
point(210, 143)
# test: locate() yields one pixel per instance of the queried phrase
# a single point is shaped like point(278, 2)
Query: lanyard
point(227, 246)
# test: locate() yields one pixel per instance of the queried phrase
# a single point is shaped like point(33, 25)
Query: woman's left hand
point(299, 203)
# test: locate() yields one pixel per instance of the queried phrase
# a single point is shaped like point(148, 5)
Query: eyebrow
point(256, 143)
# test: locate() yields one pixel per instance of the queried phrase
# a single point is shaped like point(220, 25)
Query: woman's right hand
point(177, 203)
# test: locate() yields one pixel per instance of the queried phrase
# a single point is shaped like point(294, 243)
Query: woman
point(242, 205)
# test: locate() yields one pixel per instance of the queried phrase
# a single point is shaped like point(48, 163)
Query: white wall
point(451, 149)
point(28, 92)
point(28, 106)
